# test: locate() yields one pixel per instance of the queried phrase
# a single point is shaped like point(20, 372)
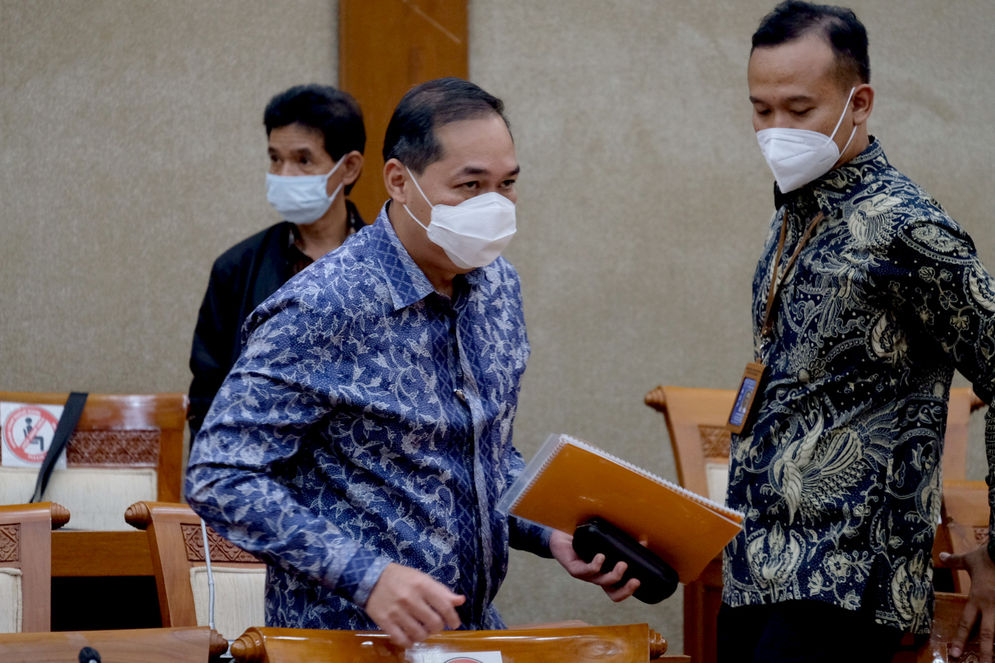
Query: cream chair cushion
point(96, 497)
point(717, 475)
point(238, 598)
point(10, 600)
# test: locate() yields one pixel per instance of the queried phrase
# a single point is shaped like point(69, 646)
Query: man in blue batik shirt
point(361, 442)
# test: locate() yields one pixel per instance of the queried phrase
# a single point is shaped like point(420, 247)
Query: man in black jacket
point(316, 140)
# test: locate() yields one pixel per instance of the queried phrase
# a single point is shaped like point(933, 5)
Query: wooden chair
point(26, 564)
point(963, 524)
point(695, 420)
point(125, 448)
point(963, 403)
point(586, 644)
point(177, 546)
point(153, 645)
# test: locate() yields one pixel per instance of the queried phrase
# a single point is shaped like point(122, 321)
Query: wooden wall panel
point(385, 48)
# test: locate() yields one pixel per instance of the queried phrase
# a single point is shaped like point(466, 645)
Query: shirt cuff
point(359, 576)
point(529, 536)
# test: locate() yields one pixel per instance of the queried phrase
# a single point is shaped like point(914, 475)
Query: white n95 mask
point(473, 233)
point(798, 156)
point(301, 199)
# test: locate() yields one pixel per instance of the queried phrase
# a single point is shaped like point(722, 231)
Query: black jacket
point(241, 278)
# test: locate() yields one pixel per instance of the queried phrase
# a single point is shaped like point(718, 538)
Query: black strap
point(67, 424)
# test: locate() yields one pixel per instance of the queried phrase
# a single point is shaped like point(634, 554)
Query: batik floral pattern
point(839, 476)
point(369, 421)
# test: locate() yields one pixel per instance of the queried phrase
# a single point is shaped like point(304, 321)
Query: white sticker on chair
point(429, 654)
point(26, 432)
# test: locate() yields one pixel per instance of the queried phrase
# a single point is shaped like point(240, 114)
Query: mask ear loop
point(852, 134)
point(405, 206)
point(336, 166)
point(335, 193)
point(840, 121)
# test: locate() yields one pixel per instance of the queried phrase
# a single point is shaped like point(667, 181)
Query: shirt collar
point(837, 183)
point(407, 283)
point(296, 259)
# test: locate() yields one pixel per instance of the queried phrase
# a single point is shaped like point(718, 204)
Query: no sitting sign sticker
point(428, 655)
point(26, 432)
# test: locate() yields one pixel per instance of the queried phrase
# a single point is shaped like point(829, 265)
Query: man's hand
point(980, 600)
point(560, 544)
point(410, 605)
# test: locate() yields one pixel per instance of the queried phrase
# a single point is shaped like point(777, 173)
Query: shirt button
point(460, 395)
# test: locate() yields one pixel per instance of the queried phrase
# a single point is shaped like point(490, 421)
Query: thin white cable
point(210, 575)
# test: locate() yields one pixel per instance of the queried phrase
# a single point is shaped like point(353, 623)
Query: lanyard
point(775, 283)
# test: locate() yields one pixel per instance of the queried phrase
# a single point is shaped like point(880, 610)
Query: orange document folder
point(570, 481)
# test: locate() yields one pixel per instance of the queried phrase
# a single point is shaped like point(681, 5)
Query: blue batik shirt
point(369, 421)
point(839, 477)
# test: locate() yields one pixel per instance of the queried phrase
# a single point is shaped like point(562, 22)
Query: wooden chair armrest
point(138, 515)
point(656, 399)
point(60, 515)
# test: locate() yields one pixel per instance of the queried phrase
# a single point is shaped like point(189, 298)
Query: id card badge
point(742, 409)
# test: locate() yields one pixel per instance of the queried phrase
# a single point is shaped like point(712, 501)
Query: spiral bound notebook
point(570, 481)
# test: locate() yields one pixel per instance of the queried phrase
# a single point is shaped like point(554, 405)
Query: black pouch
point(657, 579)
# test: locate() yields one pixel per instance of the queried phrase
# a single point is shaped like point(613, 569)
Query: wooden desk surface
point(78, 553)
point(156, 645)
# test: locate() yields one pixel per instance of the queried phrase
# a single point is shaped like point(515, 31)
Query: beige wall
point(133, 153)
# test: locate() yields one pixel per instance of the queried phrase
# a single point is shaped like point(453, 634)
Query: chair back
point(26, 565)
point(963, 524)
point(696, 419)
point(177, 545)
point(125, 448)
point(962, 404)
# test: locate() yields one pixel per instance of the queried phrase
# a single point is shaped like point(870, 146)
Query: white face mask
point(473, 233)
point(301, 199)
point(798, 156)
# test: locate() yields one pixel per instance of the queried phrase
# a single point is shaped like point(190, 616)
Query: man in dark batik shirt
point(878, 297)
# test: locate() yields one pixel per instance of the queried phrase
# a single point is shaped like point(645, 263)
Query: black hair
point(839, 25)
point(410, 136)
point(329, 111)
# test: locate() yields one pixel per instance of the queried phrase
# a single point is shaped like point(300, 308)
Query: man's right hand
point(410, 605)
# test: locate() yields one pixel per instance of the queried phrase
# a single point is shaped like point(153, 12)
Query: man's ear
point(395, 180)
point(863, 103)
point(352, 167)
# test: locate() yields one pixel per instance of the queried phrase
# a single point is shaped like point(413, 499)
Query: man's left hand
point(561, 545)
point(980, 600)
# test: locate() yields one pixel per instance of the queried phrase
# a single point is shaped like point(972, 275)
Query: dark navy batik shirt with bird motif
point(839, 476)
